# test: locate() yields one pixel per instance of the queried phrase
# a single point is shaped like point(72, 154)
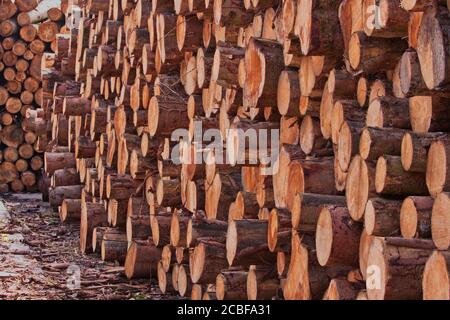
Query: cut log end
point(375, 115)
point(408, 219)
point(231, 242)
point(364, 144)
point(272, 230)
point(369, 217)
point(354, 51)
point(284, 93)
point(361, 93)
point(324, 236)
point(380, 174)
point(162, 278)
point(220, 287)
point(198, 262)
point(436, 168)
point(407, 151)
point(357, 187)
point(435, 282)
point(183, 281)
point(440, 222)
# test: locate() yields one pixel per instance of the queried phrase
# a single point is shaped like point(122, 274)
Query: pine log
point(435, 282)
point(360, 185)
point(396, 267)
point(231, 285)
point(92, 215)
point(208, 260)
point(382, 217)
point(141, 260)
point(391, 179)
point(247, 243)
point(415, 217)
point(440, 227)
point(337, 237)
point(414, 149)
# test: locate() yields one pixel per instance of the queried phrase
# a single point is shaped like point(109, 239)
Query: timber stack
point(351, 198)
point(28, 31)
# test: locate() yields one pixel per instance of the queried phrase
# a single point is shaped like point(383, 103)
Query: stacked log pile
point(352, 97)
point(27, 32)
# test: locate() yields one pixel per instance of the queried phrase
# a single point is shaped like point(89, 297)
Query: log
point(164, 279)
point(246, 243)
point(435, 283)
point(141, 260)
point(226, 64)
point(376, 142)
point(388, 21)
point(12, 136)
point(138, 228)
point(437, 175)
point(415, 217)
point(166, 115)
point(70, 210)
point(58, 194)
point(219, 195)
point(167, 191)
point(311, 139)
point(114, 247)
point(231, 285)
point(208, 259)
point(382, 217)
point(342, 289)
point(364, 247)
point(184, 284)
point(262, 283)
point(278, 233)
point(264, 61)
point(65, 177)
point(345, 110)
point(199, 228)
point(410, 76)
point(160, 228)
point(391, 179)
point(360, 184)
point(120, 187)
point(389, 112)
point(428, 113)
point(179, 228)
point(309, 209)
point(440, 231)
point(414, 149)
point(337, 237)
point(348, 143)
point(92, 215)
point(371, 55)
point(316, 38)
point(396, 268)
point(97, 236)
point(431, 38)
point(55, 161)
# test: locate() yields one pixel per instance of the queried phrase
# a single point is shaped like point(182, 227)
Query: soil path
point(40, 259)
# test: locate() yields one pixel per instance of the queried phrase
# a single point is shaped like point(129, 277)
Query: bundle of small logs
point(353, 96)
point(28, 30)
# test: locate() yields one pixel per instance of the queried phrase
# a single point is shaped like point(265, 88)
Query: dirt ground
point(40, 259)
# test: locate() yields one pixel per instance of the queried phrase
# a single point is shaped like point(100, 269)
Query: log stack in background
point(358, 206)
point(27, 32)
